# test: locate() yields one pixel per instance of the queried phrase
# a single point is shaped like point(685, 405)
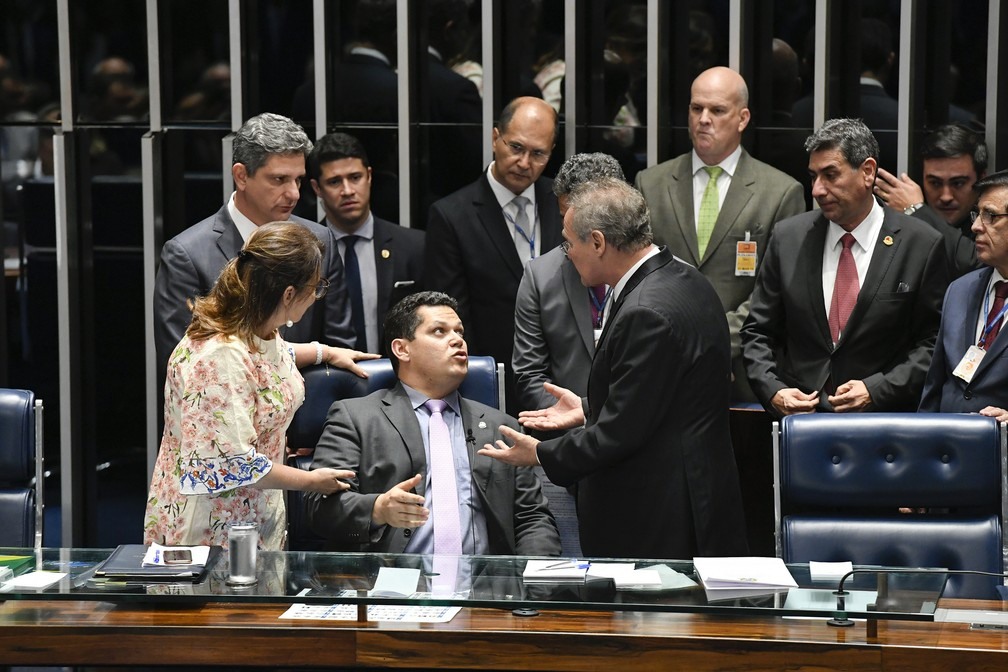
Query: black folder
point(126, 564)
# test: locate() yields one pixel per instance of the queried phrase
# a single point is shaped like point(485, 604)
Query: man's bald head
point(718, 113)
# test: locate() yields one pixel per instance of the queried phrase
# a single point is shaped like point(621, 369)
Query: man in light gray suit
point(555, 314)
point(733, 211)
point(388, 439)
point(268, 166)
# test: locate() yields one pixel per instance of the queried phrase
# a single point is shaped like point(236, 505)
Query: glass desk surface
point(481, 581)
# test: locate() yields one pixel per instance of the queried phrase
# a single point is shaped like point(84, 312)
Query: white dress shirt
point(504, 198)
point(866, 234)
point(701, 178)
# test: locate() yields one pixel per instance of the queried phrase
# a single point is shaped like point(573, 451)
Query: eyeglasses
point(518, 150)
point(321, 288)
point(986, 216)
point(565, 246)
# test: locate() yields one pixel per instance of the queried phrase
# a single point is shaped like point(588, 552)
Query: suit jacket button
point(967, 395)
point(407, 533)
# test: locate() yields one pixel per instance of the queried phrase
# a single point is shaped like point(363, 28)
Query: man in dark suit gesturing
point(846, 305)
point(480, 237)
point(382, 261)
point(389, 440)
point(269, 164)
point(654, 467)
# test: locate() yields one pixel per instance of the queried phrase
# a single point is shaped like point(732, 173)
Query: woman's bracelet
point(318, 352)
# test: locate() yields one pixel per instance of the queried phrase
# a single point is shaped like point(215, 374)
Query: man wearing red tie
point(968, 372)
point(846, 305)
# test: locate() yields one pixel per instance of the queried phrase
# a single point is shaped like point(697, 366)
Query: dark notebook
point(126, 564)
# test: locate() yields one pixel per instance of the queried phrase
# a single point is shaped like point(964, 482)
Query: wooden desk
point(100, 633)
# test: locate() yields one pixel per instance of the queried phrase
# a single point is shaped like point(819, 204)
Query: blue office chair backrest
point(20, 505)
point(841, 480)
point(324, 385)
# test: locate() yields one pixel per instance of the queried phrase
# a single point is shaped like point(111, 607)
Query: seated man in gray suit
point(403, 445)
point(268, 166)
point(715, 206)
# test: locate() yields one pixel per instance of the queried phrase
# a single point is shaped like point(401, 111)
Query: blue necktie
point(351, 270)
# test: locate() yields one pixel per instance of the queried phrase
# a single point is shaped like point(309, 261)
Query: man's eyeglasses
point(986, 216)
point(565, 246)
point(321, 288)
point(518, 150)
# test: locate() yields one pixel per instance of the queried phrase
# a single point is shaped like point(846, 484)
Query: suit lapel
point(650, 266)
point(229, 242)
point(384, 261)
point(491, 218)
point(577, 296)
point(474, 424)
point(966, 328)
point(550, 225)
point(397, 408)
point(738, 196)
point(813, 255)
point(681, 195)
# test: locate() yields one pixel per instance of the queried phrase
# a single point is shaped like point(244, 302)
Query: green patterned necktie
point(709, 207)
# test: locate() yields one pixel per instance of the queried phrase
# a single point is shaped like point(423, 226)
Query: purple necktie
point(444, 497)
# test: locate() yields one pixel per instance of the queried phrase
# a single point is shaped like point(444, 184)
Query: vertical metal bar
point(153, 65)
point(153, 225)
point(39, 474)
point(405, 140)
point(907, 55)
point(653, 72)
point(820, 82)
point(321, 70)
point(778, 530)
point(1003, 444)
point(235, 54)
point(571, 66)
point(487, 50)
point(735, 35)
point(993, 78)
point(153, 236)
point(72, 474)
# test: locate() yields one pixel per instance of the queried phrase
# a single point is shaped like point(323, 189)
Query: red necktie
point(845, 289)
point(994, 316)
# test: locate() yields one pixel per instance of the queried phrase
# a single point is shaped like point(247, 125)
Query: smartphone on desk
point(177, 556)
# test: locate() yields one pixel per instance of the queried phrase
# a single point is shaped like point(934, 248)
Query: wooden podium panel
point(100, 633)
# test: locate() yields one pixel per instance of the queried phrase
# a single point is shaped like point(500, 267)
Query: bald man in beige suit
point(752, 196)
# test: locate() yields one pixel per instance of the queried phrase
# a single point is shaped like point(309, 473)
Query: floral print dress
point(226, 416)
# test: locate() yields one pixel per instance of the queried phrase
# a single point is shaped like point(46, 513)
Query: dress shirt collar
point(865, 233)
point(871, 81)
point(995, 277)
point(373, 53)
point(505, 195)
point(366, 230)
point(245, 225)
point(729, 165)
point(418, 399)
point(618, 289)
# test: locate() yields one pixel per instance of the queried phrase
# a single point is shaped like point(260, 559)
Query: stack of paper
point(555, 571)
point(731, 578)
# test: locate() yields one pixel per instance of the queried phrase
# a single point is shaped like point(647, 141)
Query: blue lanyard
point(599, 307)
point(988, 325)
point(531, 239)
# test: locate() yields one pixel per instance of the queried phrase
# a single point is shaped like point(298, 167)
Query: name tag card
point(745, 257)
point(969, 363)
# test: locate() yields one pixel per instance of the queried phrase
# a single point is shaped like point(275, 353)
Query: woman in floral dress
point(232, 388)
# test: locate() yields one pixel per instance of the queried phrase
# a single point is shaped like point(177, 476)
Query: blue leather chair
point(324, 385)
point(20, 469)
point(840, 481)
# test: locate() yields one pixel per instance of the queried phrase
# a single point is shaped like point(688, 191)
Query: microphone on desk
point(840, 619)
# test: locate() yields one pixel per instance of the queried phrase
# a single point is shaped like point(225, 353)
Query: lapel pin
point(385, 254)
point(482, 425)
point(887, 240)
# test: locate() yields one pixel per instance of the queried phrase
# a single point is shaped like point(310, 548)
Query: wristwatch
point(911, 209)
